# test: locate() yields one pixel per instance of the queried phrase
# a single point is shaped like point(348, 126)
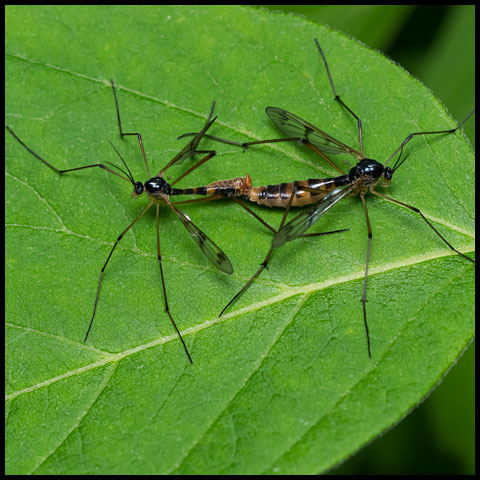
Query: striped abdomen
point(279, 195)
point(233, 187)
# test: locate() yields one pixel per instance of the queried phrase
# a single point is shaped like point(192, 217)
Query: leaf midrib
point(288, 292)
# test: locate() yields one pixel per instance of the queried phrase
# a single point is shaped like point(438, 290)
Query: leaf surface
point(282, 383)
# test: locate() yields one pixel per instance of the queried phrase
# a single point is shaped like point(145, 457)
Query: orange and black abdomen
point(269, 195)
point(279, 195)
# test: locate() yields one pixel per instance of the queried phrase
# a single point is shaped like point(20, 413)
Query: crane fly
point(284, 195)
point(158, 191)
point(324, 193)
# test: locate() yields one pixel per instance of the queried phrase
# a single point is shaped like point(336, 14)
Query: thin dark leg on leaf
point(251, 212)
point(235, 199)
point(339, 100)
point(167, 309)
point(409, 137)
point(210, 154)
point(319, 152)
point(105, 265)
point(272, 140)
point(275, 231)
point(244, 145)
point(264, 264)
point(122, 133)
point(416, 210)
point(212, 137)
point(321, 234)
point(57, 170)
point(364, 295)
point(196, 200)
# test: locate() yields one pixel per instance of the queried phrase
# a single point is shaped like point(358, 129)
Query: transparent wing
point(301, 223)
point(189, 149)
point(207, 246)
point(294, 126)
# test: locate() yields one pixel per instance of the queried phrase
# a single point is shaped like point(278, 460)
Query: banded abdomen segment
point(232, 187)
point(279, 195)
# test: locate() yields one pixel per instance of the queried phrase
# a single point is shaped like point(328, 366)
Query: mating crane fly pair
point(321, 194)
point(159, 191)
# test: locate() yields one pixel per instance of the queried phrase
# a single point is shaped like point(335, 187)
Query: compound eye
point(387, 173)
point(138, 188)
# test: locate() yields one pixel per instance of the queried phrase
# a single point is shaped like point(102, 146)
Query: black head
point(138, 188)
point(388, 173)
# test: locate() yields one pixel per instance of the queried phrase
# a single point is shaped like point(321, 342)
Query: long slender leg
point(211, 153)
point(409, 137)
point(416, 210)
point(319, 152)
point(57, 170)
point(264, 264)
point(273, 140)
point(254, 215)
point(122, 133)
point(167, 309)
point(235, 199)
point(296, 139)
point(339, 100)
point(212, 137)
point(105, 265)
point(201, 199)
point(319, 234)
point(251, 212)
point(244, 145)
point(364, 295)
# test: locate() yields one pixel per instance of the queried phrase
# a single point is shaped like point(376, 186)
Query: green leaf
point(282, 383)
